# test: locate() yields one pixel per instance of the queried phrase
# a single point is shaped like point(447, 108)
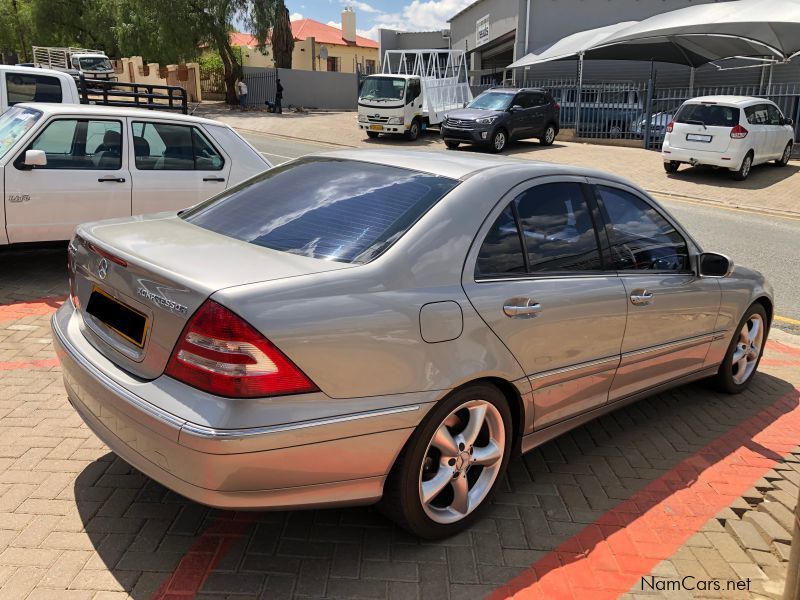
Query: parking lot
point(654, 489)
point(76, 522)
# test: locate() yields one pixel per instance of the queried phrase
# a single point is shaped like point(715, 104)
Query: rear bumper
point(331, 461)
point(730, 159)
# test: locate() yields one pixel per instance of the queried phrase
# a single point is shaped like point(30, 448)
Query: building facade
point(495, 33)
point(317, 47)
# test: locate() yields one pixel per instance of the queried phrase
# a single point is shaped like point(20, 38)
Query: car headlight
point(395, 121)
point(362, 118)
point(486, 120)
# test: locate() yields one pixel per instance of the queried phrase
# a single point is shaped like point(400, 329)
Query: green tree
point(15, 29)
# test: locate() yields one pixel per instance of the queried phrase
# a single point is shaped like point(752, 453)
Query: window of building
point(333, 63)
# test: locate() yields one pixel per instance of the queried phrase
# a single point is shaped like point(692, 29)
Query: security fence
point(261, 86)
point(621, 110)
point(212, 85)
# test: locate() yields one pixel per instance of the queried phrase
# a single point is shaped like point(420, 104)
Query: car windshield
point(713, 115)
point(15, 123)
point(333, 209)
point(383, 88)
point(95, 63)
point(492, 101)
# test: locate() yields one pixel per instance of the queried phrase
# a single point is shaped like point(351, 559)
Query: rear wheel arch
point(768, 307)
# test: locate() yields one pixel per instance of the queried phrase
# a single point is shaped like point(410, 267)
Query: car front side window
point(640, 238)
point(80, 144)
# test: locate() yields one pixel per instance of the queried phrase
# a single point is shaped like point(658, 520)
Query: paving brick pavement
point(767, 189)
point(76, 522)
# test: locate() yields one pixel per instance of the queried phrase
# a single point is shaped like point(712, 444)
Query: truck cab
point(391, 103)
point(93, 65)
point(29, 84)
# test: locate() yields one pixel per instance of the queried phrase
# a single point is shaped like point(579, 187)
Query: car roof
point(461, 165)
point(36, 71)
point(66, 108)
point(731, 100)
point(514, 90)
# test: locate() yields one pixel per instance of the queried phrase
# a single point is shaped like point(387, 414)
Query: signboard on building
point(482, 31)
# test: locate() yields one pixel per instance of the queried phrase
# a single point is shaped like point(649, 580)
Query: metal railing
point(133, 95)
point(261, 87)
point(621, 110)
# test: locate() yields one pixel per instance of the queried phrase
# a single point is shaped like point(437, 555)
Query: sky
point(403, 15)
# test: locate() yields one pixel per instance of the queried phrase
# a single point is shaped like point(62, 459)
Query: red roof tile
point(304, 28)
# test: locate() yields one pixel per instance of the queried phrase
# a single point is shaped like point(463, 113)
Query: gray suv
point(500, 115)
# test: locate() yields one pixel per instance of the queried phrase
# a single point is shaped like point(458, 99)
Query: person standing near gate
point(241, 87)
point(278, 96)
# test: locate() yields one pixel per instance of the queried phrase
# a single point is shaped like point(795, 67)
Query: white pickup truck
point(64, 164)
point(31, 84)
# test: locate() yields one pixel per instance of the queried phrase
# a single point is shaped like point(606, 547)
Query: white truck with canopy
point(93, 64)
point(414, 90)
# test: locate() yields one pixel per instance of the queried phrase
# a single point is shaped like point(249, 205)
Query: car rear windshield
point(328, 208)
point(709, 115)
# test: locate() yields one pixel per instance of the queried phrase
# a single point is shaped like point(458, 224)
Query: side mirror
point(35, 158)
point(788, 121)
point(515, 108)
point(711, 264)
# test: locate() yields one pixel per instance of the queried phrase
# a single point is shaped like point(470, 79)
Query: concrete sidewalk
point(768, 189)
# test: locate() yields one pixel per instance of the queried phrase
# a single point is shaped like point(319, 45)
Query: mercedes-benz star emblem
point(102, 268)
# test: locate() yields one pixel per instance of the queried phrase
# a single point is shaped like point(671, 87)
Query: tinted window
point(501, 251)
point(348, 211)
point(774, 114)
point(23, 87)
point(413, 90)
point(558, 230)
point(640, 237)
point(708, 114)
point(757, 114)
point(167, 147)
point(525, 100)
point(80, 144)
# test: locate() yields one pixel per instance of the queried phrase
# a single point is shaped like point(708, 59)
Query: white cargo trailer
point(414, 90)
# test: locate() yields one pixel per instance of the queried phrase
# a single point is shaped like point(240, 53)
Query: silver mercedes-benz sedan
point(380, 325)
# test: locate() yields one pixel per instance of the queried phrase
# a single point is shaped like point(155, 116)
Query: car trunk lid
point(137, 282)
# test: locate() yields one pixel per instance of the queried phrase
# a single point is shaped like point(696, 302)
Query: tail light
point(557, 106)
point(220, 353)
point(738, 132)
point(670, 126)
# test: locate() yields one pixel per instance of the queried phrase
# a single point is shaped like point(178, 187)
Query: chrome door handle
point(641, 297)
point(111, 178)
point(522, 307)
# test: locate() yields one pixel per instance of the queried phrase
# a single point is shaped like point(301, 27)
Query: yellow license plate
point(376, 127)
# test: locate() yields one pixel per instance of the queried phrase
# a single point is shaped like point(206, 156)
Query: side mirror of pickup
point(35, 158)
point(711, 264)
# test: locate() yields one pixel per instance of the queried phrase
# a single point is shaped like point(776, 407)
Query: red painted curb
point(608, 557)
point(204, 556)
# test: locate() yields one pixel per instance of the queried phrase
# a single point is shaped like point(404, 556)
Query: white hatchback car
point(64, 164)
point(734, 132)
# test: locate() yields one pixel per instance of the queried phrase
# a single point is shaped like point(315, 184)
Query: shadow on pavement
point(141, 531)
point(762, 176)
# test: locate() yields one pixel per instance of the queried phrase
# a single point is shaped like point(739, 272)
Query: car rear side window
point(328, 208)
point(558, 230)
point(714, 115)
point(168, 147)
point(26, 87)
point(640, 238)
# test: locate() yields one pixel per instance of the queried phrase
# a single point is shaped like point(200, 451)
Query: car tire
point(499, 141)
point(549, 136)
point(672, 166)
point(744, 170)
point(372, 134)
point(787, 154)
point(412, 133)
point(440, 455)
point(744, 352)
point(452, 145)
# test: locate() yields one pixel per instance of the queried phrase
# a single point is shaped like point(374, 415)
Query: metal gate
point(212, 85)
point(260, 86)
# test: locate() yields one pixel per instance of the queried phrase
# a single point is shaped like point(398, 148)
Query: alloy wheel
point(499, 141)
point(787, 154)
point(746, 164)
point(462, 461)
point(747, 349)
point(549, 135)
